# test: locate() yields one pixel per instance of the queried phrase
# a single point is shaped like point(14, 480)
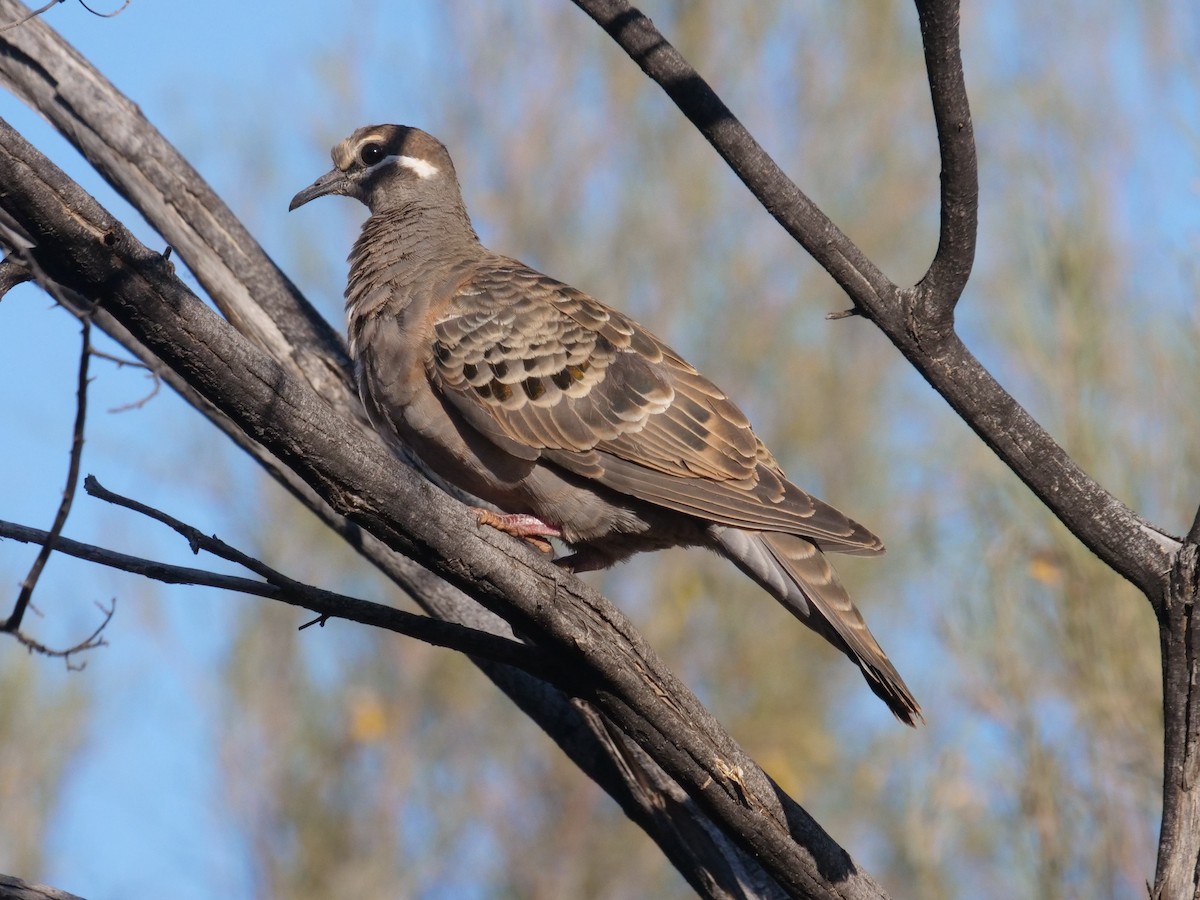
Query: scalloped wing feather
point(535, 364)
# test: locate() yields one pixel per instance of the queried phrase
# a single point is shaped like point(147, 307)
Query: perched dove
point(568, 416)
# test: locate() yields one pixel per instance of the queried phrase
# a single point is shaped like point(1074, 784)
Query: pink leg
point(531, 528)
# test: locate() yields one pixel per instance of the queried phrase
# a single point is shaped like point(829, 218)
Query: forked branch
point(917, 320)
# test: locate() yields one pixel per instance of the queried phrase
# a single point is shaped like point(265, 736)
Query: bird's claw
point(529, 528)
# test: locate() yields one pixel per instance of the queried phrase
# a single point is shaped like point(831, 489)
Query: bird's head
point(386, 166)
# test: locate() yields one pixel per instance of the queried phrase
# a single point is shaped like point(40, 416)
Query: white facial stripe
point(423, 168)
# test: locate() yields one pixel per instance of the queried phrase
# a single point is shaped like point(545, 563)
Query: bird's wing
point(534, 364)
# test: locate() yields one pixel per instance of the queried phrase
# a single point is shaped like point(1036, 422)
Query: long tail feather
point(794, 571)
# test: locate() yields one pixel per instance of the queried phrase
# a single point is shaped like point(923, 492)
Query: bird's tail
point(796, 573)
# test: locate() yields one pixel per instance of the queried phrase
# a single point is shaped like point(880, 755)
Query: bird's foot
point(530, 528)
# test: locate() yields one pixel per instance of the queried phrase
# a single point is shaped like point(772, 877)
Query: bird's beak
point(333, 182)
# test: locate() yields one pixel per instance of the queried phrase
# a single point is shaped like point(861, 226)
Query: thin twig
point(325, 603)
point(119, 361)
point(196, 539)
point(91, 642)
point(105, 15)
point(33, 15)
point(156, 386)
point(64, 507)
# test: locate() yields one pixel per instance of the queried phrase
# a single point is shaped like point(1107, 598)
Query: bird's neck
point(404, 259)
point(417, 230)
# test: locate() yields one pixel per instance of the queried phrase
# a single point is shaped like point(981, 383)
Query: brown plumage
point(556, 408)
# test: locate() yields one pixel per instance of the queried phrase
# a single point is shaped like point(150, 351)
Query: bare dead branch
point(468, 640)
point(1176, 874)
point(778, 194)
point(919, 321)
point(109, 15)
point(155, 387)
point(8, 26)
point(1193, 535)
point(155, 380)
point(91, 642)
point(13, 623)
point(947, 275)
point(1136, 549)
point(13, 271)
point(328, 604)
point(196, 539)
point(118, 361)
point(15, 889)
point(610, 664)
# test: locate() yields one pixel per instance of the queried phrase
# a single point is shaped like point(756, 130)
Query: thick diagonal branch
point(613, 668)
point(49, 75)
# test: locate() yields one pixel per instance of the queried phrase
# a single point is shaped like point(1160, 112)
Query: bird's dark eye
point(371, 154)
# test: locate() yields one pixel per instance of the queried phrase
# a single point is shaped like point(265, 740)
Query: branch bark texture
point(284, 394)
point(920, 323)
point(109, 130)
point(92, 254)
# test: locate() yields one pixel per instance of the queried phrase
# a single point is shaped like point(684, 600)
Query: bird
point(564, 414)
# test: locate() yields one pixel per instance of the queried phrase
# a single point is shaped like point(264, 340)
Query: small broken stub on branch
point(843, 314)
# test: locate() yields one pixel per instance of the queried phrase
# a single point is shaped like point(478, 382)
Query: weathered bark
point(16, 889)
point(920, 323)
point(338, 466)
point(110, 131)
point(1178, 872)
point(603, 660)
point(247, 287)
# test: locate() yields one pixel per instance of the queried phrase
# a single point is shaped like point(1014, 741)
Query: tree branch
point(12, 272)
point(49, 75)
point(31, 14)
point(91, 642)
point(779, 195)
point(327, 604)
point(915, 321)
point(919, 322)
point(16, 889)
point(109, 130)
point(13, 623)
point(610, 665)
point(943, 283)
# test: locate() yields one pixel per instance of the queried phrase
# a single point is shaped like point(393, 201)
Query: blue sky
point(141, 805)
